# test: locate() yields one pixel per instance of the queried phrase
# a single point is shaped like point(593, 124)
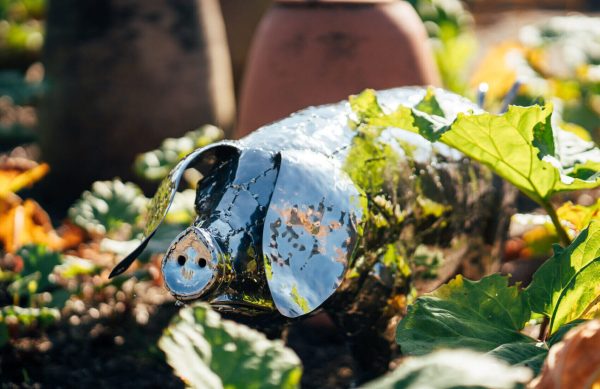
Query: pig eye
point(181, 260)
point(202, 262)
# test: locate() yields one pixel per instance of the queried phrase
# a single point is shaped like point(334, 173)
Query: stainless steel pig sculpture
point(282, 226)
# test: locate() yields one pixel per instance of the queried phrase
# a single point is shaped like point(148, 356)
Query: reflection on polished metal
point(160, 203)
point(191, 266)
point(310, 231)
point(280, 221)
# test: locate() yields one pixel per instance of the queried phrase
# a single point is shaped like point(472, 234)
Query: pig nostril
point(202, 262)
point(181, 260)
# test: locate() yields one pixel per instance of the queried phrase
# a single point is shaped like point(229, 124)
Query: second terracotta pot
point(314, 52)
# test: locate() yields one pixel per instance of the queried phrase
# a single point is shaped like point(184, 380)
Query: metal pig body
point(282, 224)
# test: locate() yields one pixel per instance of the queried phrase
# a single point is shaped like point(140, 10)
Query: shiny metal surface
point(232, 204)
point(279, 215)
point(162, 199)
point(310, 231)
point(191, 267)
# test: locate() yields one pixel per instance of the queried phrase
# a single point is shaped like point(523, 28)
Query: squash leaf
point(566, 286)
point(209, 352)
point(518, 145)
point(485, 316)
point(447, 369)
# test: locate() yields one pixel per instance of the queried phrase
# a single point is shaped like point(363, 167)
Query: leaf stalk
point(560, 231)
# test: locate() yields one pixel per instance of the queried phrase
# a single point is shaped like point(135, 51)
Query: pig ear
point(310, 231)
point(203, 159)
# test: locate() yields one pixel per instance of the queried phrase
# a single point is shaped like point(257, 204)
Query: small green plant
point(108, 207)
point(36, 275)
point(15, 320)
point(209, 352)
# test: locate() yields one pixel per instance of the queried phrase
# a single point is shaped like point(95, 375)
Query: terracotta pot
point(241, 20)
point(314, 52)
point(122, 76)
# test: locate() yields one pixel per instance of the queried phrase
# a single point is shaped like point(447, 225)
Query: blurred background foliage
point(556, 60)
point(451, 30)
point(21, 42)
point(21, 32)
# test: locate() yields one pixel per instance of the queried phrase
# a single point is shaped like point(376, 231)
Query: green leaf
point(518, 145)
point(530, 355)
point(156, 164)
point(110, 207)
point(365, 106)
point(368, 111)
point(588, 170)
point(38, 258)
point(483, 315)
point(208, 352)
point(25, 286)
point(447, 369)
point(565, 287)
point(430, 105)
point(562, 331)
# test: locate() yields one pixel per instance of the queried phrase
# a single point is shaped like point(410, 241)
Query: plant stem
point(560, 231)
point(543, 329)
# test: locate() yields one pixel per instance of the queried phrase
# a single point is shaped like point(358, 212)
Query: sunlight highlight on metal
point(278, 216)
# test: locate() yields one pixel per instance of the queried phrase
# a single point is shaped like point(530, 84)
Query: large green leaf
point(518, 145)
point(447, 369)
point(531, 355)
point(566, 286)
point(485, 315)
point(207, 352)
